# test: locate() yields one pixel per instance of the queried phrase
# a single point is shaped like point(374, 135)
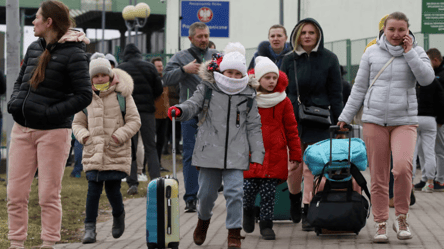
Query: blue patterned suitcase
point(162, 208)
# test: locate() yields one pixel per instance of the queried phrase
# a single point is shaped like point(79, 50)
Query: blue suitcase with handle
point(162, 208)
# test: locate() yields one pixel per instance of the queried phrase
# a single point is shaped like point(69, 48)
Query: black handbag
point(340, 210)
point(311, 115)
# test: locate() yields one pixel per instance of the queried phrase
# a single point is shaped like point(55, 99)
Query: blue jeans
point(78, 151)
point(112, 189)
point(190, 173)
point(210, 181)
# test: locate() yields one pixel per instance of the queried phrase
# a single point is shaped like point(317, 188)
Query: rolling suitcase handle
point(334, 129)
point(173, 141)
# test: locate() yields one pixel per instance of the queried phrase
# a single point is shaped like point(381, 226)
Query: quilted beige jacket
point(104, 119)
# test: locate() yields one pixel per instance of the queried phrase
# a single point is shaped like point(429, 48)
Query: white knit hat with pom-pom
point(234, 58)
point(263, 66)
point(99, 64)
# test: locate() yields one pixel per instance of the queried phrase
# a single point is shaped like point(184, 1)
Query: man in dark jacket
point(182, 69)
point(438, 65)
point(147, 87)
point(346, 87)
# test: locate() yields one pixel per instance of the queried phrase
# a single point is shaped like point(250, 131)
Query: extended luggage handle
point(335, 129)
point(173, 141)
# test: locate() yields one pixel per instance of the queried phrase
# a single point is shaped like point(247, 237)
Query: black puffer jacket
point(146, 88)
point(65, 90)
point(319, 81)
point(431, 100)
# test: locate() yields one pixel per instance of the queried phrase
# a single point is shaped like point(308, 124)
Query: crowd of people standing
point(250, 137)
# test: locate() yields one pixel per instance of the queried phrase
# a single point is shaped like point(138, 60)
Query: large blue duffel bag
point(317, 156)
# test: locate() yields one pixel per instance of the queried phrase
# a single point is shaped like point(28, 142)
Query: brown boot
point(200, 233)
point(234, 238)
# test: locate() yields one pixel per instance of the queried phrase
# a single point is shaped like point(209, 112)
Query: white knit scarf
point(270, 99)
point(230, 86)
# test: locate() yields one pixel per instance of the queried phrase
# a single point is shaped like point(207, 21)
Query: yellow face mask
point(102, 87)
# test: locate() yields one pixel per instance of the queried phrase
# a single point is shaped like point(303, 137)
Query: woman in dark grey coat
point(319, 82)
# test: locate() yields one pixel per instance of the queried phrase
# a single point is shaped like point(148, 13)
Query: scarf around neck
point(230, 86)
point(270, 99)
point(393, 50)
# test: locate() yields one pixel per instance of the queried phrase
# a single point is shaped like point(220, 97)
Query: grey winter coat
point(391, 101)
point(222, 141)
point(173, 74)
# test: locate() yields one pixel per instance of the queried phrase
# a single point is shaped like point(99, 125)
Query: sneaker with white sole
point(381, 233)
point(401, 227)
point(428, 188)
point(142, 177)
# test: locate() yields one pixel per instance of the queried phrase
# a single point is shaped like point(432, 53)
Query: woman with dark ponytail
point(52, 86)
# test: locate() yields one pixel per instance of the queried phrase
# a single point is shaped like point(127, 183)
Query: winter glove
point(177, 109)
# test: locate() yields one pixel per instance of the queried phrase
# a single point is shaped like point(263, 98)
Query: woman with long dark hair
point(53, 85)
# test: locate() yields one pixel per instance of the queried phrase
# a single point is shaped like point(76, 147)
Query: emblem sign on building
point(215, 14)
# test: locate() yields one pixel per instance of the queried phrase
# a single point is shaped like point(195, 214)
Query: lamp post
point(135, 17)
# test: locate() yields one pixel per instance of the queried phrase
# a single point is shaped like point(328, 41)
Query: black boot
point(249, 220)
point(118, 225)
point(305, 225)
point(267, 232)
point(90, 233)
point(295, 207)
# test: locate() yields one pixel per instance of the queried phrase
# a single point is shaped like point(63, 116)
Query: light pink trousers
point(380, 141)
point(48, 151)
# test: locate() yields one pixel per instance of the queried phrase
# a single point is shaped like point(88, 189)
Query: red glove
point(177, 109)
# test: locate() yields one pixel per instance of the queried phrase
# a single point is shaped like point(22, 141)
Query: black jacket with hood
point(319, 81)
point(65, 90)
point(147, 82)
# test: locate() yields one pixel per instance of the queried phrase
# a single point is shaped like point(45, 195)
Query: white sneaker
point(401, 227)
point(381, 233)
point(142, 177)
point(428, 188)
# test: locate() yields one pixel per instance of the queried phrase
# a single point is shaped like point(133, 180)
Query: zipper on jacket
point(226, 139)
point(24, 102)
point(388, 97)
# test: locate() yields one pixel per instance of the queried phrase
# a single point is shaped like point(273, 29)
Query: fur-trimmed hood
point(280, 86)
point(125, 83)
point(208, 76)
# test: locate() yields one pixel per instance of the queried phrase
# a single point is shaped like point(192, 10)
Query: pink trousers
point(380, 142)
point(48, 151)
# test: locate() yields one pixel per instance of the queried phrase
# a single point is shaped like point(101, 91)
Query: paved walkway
point(426, 221)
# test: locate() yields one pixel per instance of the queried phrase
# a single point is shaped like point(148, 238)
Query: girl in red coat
point(279, 131)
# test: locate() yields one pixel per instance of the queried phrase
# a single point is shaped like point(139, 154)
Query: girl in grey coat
point(390, 117)
point(229, 137)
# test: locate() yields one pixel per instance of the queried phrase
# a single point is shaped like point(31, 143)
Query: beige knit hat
point(263, 66)
point(99, 64)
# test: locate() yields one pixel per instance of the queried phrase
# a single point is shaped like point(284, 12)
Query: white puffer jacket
point(391, 101)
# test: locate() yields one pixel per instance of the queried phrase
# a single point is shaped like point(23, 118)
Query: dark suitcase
point(162, 208)
point(281, 203)
point(338, 207)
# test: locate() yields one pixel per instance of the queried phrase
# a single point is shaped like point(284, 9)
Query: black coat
point(147, 82)
point(439, 72)
point(65, 90)
point(319, 81)
point(431, 101)
point(2, 87)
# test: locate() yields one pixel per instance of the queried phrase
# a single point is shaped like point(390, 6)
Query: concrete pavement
point(426, 222)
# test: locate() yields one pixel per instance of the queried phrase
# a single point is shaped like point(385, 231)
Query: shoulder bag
point(311, 115)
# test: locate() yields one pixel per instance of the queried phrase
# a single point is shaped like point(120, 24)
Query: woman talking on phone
point(385, 85)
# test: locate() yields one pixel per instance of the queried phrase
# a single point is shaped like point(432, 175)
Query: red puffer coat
point(279, 131)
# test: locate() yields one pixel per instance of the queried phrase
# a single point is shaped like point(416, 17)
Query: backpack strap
point(198, 59)
point(206, 104)
point(359, 178)
point(249, 104)
point(122, 103)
